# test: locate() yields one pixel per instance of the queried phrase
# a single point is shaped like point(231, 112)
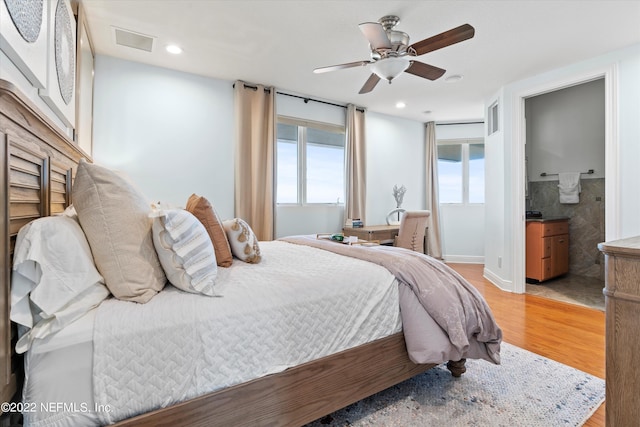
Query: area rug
point(524, 390)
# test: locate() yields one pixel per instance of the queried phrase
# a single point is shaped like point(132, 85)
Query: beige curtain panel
point(356, 177)
point(433, 204)
point(255, 115)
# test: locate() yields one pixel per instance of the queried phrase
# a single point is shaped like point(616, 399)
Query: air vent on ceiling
point(132, 39)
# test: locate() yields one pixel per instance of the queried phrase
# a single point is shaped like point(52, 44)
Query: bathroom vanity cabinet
point(547, 248)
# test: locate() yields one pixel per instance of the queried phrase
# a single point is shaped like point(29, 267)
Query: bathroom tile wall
point(586, 222)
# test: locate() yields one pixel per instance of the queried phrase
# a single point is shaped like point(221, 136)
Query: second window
point(310, 162)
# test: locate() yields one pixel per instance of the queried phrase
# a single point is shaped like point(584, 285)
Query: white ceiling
point(280, 42)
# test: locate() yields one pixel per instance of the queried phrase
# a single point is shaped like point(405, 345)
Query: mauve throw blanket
point(453, 305)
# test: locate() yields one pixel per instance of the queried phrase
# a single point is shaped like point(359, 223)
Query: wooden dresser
point(622, 299)
point(547, 248)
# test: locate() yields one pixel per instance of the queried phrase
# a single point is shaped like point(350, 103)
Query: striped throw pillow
point(185, 251)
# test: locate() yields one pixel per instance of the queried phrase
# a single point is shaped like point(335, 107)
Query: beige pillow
point(202, 209)
point(243, 241)
point(115, 218)
point(185, 251)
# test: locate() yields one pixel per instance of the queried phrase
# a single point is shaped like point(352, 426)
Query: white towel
point(569, 187)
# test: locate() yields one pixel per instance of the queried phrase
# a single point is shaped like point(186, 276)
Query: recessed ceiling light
point(172, 48)
point(427, 111)
point(453, 78)
point(400, 104)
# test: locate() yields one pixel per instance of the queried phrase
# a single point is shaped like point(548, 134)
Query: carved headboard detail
point(37, 164)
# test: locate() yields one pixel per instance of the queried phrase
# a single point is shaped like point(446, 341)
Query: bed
point(39, 165)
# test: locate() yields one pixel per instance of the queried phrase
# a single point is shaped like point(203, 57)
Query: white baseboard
point(505, 285)
point(464, 259)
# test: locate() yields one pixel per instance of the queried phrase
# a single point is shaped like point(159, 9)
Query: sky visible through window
point(452, 159)
point(476, 180)
point(449, 181)
point(325, 174)
point(287, 171)
point(324, 169)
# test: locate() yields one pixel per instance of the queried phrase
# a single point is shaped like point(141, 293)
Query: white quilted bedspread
point(297, 305)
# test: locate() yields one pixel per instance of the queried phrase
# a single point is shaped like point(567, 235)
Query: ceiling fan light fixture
point(390, 68)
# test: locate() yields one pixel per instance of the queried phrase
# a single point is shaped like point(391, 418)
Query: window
point(461, 171)
point(310, 162)
point(494, 125)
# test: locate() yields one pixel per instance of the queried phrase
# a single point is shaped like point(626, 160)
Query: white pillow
point(185, 250)
point(243, 241)
point(54, 279)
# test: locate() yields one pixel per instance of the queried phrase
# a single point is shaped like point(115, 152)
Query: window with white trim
point(492, 114)
point(461, 171)
point(309, 162)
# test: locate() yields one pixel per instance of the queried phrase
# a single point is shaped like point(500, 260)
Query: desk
point(385, 234)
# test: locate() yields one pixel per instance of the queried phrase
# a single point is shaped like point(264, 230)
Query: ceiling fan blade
point(371, 82)
point(341, 66)
point(453, 36)
point(376, 35)
point(424, 70)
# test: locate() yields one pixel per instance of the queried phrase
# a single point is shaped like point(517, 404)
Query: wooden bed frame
point(38, 164)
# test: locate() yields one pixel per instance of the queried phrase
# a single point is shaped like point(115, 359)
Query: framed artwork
point(84, 85)
point(24, 36)
point(60, 90)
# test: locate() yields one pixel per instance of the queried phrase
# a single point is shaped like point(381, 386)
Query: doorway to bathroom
point(565, 136)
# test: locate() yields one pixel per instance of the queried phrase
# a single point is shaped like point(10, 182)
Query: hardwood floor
point(568, 333)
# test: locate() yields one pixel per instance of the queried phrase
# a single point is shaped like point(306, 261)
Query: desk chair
point(412, 230)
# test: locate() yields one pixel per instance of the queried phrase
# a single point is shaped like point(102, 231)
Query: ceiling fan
point(390, 51)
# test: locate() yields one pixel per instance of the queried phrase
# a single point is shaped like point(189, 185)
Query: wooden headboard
point(37, 163)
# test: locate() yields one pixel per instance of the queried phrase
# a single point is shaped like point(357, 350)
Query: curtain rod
point(248, 86)
point(461, 123)
point(306, 100)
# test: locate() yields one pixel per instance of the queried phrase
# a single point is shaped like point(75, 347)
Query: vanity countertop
point(549, 218)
